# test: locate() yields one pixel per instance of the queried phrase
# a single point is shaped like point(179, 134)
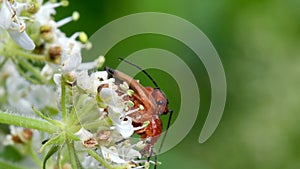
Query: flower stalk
point(63, 99)
point(27, 122)
point(72, 154)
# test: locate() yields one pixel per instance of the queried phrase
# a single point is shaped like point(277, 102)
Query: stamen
point(74, 17)
point(12, 11)
point(88, 46)
point(75, 35)
point(123, 95)
point(132, 111)
point(124, 86)
point(83, 37)
point(91, 65)
point(141, 107)
point(145, 161)
point(129, 103)
point(64, 3)
point(146, 123)
point(130, 92)
point(100, 60)
point(22, 28)
point(55, 5)
point(140, 145)
point(138, 167)
point(87, 66)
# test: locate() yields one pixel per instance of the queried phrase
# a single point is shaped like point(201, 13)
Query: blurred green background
point(259, 44)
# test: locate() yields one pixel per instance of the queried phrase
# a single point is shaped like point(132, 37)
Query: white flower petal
point(100, 75)
point(57, 79)
point(112, 99)
point(111, 156)
point(83, 80)
point(70, 62)
point(90, 162)
point(133, 154)
point(5, 14)
point(94, 64)
point(87, 66)
point(37, 96)
point(83, 134)
point(125, 128)
point(99, 78)
point(44, 13)
point(19, 7)
point(47, 71)
point(8, 141)
point(14, 25)
point(22, 39)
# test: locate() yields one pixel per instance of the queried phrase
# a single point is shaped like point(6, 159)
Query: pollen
point(83, 37)
point(130, 92)
point(55, 54)
point(64, 3)
point(130, 103)
point(22, 28)
point(75, 16)
point(46, 33)
point(124, 86)
point(90, 143)
point(27, 133)
point(104, 135)
point(141, 107)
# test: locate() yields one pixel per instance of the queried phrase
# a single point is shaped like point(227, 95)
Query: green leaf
point(52, 150)
point(11, 153)
point(27, 122)
point(57, 140)
point(78, 162)
point(75, 162)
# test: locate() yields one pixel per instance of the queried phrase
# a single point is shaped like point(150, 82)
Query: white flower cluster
point(14, 24)
point(41, 69)
point(113, 104)
point(60, 54)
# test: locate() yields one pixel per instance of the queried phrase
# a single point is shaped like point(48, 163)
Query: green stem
point(58, 139)
point(27, 122)
point(72, 153)
point(5, 164)
point(35, 72)
point(63, 99)
point(3, 62)
point(99, 159)
point(30, 56)
point(11, 50)
point(34, 156)
point(21, 71)
point(58, 160)
point(52, 121)
point(71, 136)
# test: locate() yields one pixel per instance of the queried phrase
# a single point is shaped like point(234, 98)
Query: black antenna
point(166, 132)
point(155, 84)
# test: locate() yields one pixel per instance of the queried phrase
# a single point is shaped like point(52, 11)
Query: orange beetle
point(154, 102)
